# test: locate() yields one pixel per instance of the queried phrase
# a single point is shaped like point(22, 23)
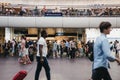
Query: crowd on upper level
point(70, 12)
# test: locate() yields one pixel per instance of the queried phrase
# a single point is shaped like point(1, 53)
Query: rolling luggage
point(20, 75)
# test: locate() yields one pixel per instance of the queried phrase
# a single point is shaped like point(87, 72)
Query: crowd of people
point(93, 12)
point(100, 50)
point(115, 47)
point(113, 11)
point(24, 49)
point(71, 48)
point(56, 49)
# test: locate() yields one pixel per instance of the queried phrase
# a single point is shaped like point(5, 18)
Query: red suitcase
point(20, 75)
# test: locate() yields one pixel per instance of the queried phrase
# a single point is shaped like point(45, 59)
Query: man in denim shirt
point(102, 54)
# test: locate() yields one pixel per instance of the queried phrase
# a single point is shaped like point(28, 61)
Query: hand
point(41, 60)
point(118, 61)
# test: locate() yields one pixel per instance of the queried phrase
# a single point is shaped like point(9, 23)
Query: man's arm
point(40, 52)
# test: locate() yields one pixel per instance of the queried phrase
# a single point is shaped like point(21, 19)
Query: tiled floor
point(61, 69)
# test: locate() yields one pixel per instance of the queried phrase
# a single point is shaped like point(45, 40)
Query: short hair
point(43, 32)
point(104, 25)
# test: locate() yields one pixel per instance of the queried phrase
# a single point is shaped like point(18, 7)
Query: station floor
point(61, 69)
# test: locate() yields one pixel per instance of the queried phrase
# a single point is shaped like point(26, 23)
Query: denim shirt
point(102, 54)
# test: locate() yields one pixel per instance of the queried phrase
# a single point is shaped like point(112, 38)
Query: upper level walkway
point(56, 22)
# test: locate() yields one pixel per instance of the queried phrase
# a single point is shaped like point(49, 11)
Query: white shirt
point(42, 41)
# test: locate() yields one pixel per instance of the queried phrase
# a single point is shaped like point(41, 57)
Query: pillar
point(9, 34)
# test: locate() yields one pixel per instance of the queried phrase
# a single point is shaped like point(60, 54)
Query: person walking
point(102, 54)
point(23, 49)
point(118, 49)
point(67, 46)
point(13, 47)
point(41, 56)
point(72, 48)
point(55, 49)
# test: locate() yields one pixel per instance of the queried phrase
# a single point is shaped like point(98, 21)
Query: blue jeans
point(39, 67)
